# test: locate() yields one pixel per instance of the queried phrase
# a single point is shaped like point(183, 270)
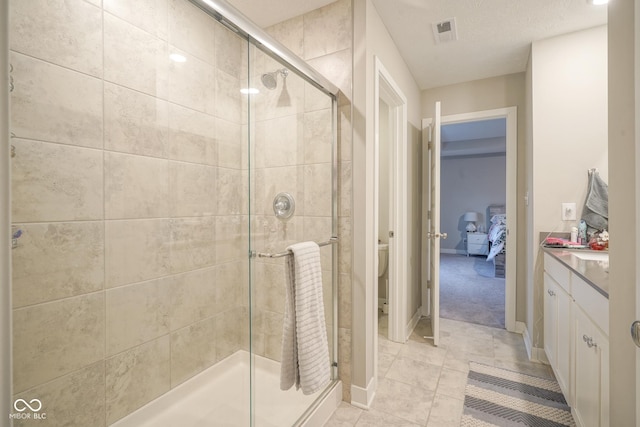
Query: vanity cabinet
point(576, 325)
point(591, 391)
point(557, 328)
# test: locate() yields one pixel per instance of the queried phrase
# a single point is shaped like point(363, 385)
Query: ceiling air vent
point(445, 31)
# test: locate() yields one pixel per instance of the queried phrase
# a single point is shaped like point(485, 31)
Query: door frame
point(6, 389)
point(386, 89)
point(511, 116)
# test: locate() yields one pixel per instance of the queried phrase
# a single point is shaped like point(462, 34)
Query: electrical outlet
point(568, 211)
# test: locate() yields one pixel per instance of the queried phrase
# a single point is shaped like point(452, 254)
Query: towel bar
point(331, 241)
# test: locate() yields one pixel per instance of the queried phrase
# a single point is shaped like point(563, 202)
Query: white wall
point(569, 136)
point(469, 183)
point(371, 40)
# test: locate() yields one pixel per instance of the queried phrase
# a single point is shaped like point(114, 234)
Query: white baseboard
point(535, 354)
point(363, 398)
point(527, 338)
point(413, 322)
point(453, 251)
point(520, 327)
point(542, 356)
point(538, 355)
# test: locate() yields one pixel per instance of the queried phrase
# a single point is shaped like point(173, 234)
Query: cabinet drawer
point(592, 302)
point(558, 272)
point(476, 249)
point(477, 238)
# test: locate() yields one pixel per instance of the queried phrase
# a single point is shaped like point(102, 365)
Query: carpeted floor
point(469, 292)
point(500, 397)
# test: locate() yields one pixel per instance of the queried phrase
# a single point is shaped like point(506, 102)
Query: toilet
point(383, 261)
point(383, 258)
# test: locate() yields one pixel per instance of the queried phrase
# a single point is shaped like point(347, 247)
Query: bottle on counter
point(582, 232)
point(574, 234)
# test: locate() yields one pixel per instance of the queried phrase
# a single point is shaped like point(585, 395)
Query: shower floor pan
point(219, 396)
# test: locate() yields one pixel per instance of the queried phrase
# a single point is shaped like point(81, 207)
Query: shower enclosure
point(150, 141)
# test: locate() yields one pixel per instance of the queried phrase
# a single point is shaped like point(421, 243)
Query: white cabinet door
point(591, 391)
point(557, 332)
point(563, 342)
point(550, 320)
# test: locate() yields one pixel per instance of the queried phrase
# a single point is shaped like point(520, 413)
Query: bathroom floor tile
point(413, 372)
point(402, 400)
point(375, 418)
point(420, 384)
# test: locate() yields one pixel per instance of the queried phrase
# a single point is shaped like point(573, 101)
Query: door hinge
point(391, 234)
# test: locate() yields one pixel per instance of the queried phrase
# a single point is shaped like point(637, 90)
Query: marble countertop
point(595, 273)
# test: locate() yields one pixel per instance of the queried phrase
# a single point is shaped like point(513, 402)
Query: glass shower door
point(291, 201)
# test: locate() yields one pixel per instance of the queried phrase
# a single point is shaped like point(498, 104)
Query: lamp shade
point(471, 216)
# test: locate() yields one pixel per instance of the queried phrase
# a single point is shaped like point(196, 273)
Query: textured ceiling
point(494, 36)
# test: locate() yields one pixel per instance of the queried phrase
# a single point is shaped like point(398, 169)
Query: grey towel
point(596, 207)
point(305, 347)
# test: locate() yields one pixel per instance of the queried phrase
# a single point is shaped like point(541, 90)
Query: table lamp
point(471, 218)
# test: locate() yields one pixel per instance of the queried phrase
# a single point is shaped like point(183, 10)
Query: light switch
point(568, 211)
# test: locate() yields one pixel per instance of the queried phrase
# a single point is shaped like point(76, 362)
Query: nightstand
point(477, 244)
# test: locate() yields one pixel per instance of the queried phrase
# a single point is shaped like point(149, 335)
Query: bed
point(497, 236)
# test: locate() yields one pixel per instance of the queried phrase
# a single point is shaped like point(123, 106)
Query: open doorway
point(472, 212)
point(390, 205)
point(432, 213)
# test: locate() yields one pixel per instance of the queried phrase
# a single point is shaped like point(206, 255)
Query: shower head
point(270, 80)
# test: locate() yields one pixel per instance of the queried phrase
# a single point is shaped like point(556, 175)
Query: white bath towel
point(305, 348)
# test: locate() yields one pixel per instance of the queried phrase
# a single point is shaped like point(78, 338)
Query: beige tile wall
point(291, 153)
point(129, 166)
point(324, 39)
point(128, 187)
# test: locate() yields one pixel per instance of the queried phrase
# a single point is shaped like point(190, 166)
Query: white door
point(431, 218)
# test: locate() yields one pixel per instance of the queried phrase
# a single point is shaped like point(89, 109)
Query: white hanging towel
point(305, 348)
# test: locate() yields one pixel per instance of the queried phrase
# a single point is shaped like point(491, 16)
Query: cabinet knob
point(551, 293)
point(589, 341)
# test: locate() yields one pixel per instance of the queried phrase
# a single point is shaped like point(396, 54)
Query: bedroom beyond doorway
point(470, 292)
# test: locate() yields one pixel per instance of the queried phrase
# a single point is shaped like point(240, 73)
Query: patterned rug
point(498, 397)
